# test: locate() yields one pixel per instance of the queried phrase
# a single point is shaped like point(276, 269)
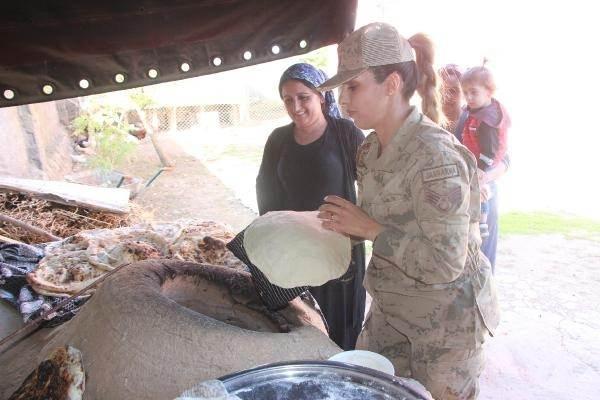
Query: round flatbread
point(292, 249)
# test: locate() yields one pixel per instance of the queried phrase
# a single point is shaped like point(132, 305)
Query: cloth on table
point(16, 261)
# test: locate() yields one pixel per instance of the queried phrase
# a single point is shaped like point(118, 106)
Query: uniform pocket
point(486, 296)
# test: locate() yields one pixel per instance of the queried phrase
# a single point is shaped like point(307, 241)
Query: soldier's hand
point(343, 216)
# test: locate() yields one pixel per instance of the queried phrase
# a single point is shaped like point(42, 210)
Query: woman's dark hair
point(419, 76)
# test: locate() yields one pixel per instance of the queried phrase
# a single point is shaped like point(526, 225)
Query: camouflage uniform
point(433, 297)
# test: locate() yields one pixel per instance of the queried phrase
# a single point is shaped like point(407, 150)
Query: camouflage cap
point(369, 46)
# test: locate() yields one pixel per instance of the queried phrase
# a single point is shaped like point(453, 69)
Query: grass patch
point(536, 223)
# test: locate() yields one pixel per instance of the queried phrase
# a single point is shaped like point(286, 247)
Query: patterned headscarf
point(311, 77)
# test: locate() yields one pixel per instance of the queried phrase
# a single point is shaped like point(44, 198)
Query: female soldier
point(433, 299)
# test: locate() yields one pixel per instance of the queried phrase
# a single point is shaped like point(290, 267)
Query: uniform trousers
point(447, 373)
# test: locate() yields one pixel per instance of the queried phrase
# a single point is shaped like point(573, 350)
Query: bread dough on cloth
point(292, 249)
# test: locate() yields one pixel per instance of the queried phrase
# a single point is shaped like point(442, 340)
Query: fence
point(179, 118)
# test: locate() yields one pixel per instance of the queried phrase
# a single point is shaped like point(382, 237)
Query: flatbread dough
point(292, 249)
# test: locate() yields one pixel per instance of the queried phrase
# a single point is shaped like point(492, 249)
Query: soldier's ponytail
point(427, 77)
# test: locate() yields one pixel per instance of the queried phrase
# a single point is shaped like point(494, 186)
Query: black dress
point(298, 177)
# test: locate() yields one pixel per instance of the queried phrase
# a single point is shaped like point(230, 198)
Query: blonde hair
point(418, 75)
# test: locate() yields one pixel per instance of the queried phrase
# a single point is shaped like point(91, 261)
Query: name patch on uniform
point(437, 173)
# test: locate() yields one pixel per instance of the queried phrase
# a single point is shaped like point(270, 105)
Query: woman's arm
point(358, 137)
point(489, 145)
point(350, 138)
point(269, 194)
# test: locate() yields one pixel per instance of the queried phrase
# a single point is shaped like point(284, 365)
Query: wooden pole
point(150, 129)
point(27, 227)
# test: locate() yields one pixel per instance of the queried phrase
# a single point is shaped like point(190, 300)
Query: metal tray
point(314, 380)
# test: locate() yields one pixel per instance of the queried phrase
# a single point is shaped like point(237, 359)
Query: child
point(485, 127)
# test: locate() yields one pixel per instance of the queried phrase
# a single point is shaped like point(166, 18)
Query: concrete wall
point(13, 155)
point(34, 143)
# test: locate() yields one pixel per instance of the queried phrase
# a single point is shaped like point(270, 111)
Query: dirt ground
point(548, 343)
point(188, 190)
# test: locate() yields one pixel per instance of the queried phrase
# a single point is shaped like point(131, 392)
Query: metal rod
point(154, 176)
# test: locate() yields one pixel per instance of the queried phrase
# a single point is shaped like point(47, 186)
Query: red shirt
point(485, 134)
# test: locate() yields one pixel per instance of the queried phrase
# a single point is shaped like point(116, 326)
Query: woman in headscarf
point(302, 163)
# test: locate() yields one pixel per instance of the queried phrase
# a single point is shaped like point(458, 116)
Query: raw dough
point(292, 249)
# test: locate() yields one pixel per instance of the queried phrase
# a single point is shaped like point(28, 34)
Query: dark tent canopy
point(58, 49)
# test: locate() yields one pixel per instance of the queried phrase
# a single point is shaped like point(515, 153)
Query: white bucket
point(364, 358)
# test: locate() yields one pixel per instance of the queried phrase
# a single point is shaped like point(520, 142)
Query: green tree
point(106, 128)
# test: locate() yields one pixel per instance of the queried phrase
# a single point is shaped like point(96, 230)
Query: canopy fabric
point(58, 46)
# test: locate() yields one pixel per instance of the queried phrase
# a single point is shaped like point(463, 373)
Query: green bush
point(105, 126)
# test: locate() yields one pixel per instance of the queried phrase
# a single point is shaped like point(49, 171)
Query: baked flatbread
point(76, 262)
point(205, 242)
point(60, 377)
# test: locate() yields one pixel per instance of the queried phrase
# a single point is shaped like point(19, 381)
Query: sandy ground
point(548, 343)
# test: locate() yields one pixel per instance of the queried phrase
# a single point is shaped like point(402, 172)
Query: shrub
point(106, 128)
